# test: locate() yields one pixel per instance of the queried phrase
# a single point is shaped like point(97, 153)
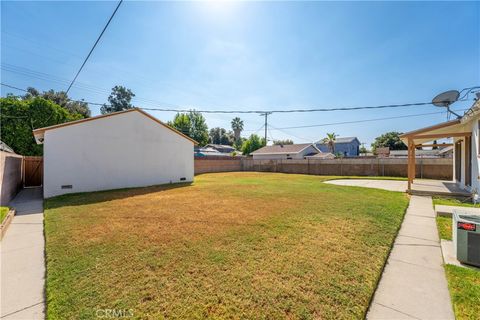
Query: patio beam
point(441, 135)
point(434, 145)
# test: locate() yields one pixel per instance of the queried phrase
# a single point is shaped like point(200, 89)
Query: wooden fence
point(32, 171)
point(430, 168)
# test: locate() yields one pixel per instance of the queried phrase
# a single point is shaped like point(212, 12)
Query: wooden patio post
point(411, 147)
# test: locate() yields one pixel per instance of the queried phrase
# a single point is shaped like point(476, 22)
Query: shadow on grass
point(83, 198)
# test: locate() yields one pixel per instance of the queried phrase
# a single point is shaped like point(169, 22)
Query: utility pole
point(265, 114)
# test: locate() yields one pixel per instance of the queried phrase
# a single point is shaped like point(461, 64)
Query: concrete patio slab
point(22, 259)
point(390, 185)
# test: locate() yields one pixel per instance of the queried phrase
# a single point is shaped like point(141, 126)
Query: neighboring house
point(433, 153)
point(348, 146)
point(466, 146)
point(221, 148)
point(322, 156)
point(204, 152)
point(118, 150)
point(285, 152)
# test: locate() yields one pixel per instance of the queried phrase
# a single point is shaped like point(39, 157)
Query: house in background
point(322, 156)
point(207, 152)
point(118, 150)
point(441, 152)
point(348, 146)
point(222, 148)
point(286, 152)
point(5, 147)
point(466, 147)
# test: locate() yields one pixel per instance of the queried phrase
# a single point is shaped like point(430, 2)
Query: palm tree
point(330, 141)
point(237, 127)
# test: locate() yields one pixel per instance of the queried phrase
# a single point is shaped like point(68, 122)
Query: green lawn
point(3, 213)
point(453, 202)
point(463, 283)
point(444, 225)
point(230, 245)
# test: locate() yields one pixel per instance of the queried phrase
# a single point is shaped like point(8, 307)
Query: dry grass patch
point(231, 245)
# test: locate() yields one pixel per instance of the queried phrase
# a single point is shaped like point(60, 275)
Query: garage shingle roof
point(40, 131)
point(286, 148)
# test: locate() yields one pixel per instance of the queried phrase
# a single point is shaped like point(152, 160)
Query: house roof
point(40, 131)
point(322, 155)
point(444, 128)
point(5, 147)
point(284, 149)
point(341, 140)
point(220, 146)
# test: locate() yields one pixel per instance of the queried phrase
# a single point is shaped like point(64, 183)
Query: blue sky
point(252, 55)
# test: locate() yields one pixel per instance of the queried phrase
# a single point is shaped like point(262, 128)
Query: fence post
point(383, 167)
point(421, 168)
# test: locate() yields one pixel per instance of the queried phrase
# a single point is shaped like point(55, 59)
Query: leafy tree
point(390, 140)
point(237, 127)
point(20, 117)
point(239, 143)
point(182, 123)
point(221, 136)
point(192, 124)
point(363, 150)
point(254, 142)
point(283, 142)
point(60, 98)
point(120, 99)
point(330, 141)
point(199, 128)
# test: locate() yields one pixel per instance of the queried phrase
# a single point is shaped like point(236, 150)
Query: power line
point(361, 121)
point(82, 86)
point(295, 110)
point(279, 111)
point(95, 44)
point(81, 101)
point(292, 135)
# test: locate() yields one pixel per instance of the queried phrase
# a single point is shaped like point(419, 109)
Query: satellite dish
point(445, 99)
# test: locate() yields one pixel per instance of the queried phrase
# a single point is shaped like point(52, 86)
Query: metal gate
point(32, 171)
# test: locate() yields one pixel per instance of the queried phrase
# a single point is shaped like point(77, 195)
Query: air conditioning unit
point(466, 237)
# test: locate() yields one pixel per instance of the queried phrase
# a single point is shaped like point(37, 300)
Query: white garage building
point(118, 150)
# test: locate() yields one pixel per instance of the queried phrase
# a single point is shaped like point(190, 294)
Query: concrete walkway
point(390, 185)
point(22, 259)
point(413, 284)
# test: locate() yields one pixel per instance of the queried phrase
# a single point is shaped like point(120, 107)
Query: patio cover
point(418, 138)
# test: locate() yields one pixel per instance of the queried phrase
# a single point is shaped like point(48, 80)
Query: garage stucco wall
point(120, 151)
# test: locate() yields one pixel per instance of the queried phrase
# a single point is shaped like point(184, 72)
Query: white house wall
point(472, 127)
point(475, 168)
point(120, 151)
